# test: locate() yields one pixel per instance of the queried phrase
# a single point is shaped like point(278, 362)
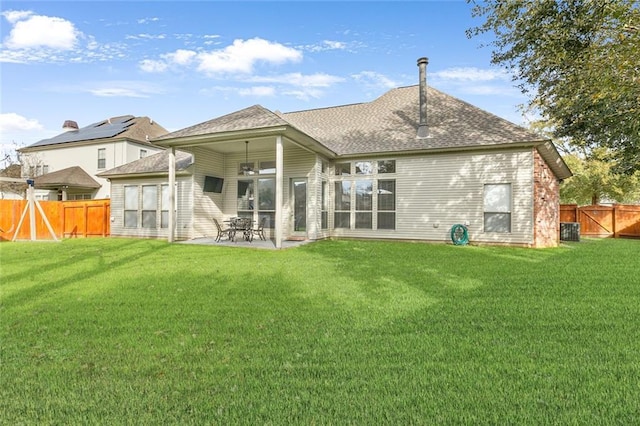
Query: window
point(130, 206)
point(102, 158)
point(149, 205)
point(267, 167)
point(364, 167)
point(267, 201)
point(342, 213)
point(264, 199)
point(245, 196)
point(362, 201)
point(386, 166)
point(164, 206)
point(323, 213)
point(246, 168)
point(343, 169)
point(76, 197)
point(45, 169)
point(497, 207)
point(386, 204)
point(143, 153)
point(364, 206)
point(149, 202)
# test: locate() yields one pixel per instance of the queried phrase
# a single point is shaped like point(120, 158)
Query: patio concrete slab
point(256, 243)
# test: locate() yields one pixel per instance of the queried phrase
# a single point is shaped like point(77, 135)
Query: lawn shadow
point(37, 291)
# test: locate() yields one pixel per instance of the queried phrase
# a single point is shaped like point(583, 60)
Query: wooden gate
point(614, 221)
point(68, 219)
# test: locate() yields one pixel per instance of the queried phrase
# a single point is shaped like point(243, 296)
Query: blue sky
point(185, 62)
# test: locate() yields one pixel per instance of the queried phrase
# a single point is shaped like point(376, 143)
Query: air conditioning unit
point(569, 231)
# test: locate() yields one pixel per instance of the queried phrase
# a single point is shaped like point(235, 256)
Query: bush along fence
point(615, 221)
point(67, 219)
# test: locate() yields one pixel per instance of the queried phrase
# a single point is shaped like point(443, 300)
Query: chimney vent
point(69, 126)
point(423, 128)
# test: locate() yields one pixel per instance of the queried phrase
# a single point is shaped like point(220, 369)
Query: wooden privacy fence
point(68, 219)
point(615, 221)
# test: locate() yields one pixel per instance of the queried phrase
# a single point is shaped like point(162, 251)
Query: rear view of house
point(406, 166)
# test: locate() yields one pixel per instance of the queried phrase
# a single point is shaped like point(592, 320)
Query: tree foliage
point(579, 60)
point(595, 180)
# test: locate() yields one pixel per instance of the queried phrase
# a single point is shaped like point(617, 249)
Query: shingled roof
point(386, 124)
point(139, 129)
point(72, 177)
point(390, 123)
point(253, 117)
point(153, 164)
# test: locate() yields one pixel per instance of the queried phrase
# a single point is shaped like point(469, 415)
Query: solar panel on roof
point(100, 130)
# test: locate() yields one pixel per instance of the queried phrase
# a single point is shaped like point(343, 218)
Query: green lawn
point(123, 331)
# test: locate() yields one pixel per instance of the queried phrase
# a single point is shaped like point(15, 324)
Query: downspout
point(423, 129)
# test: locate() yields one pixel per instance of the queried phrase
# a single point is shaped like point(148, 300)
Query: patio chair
point(229, 232)
point(259, 231)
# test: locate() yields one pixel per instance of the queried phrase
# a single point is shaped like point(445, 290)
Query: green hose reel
point(459, 235)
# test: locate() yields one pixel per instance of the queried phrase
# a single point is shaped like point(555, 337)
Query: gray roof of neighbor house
point(139, 129)
point(73, 177)
point(153, 164)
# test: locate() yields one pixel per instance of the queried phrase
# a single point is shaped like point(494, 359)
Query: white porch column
point(279, 189)
point(172, 194)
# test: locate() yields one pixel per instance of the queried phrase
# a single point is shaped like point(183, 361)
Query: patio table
point(244, 225)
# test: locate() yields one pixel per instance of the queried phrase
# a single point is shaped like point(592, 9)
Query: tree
point(595, 179)
point(579, 61)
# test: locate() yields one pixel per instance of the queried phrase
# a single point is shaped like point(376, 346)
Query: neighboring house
point(12, 190)
point(65, 167)
point(406, 166)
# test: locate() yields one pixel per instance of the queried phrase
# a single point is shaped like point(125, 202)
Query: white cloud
point(118, 92)
point(297, 79)
point(180, 57)
point(475, 81)
point(146, 37)
point(242, 55)
point(374, 79)
point(151, 66)
point(239, 57)
point(123, 89)
point(469, 74)
point(31, 31)
point(14, 16)
point(304, 94)
point(147, 20)
point(257, 91)
point(327, 45)
point(11, 122)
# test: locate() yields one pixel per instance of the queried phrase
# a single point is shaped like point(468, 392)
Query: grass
point(121, 331)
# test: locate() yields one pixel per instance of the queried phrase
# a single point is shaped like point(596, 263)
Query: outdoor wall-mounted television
point(213, 184)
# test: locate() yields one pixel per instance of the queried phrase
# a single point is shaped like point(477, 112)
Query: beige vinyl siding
point(207, 205)
point(436, 191)
point(184, 203)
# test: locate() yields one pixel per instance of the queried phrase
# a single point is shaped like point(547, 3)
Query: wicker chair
point(229, 232)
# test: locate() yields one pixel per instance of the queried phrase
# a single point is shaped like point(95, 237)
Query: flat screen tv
point(213, 184)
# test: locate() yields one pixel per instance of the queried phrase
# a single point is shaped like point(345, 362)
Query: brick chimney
point(423, 129)
point(70, 126)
